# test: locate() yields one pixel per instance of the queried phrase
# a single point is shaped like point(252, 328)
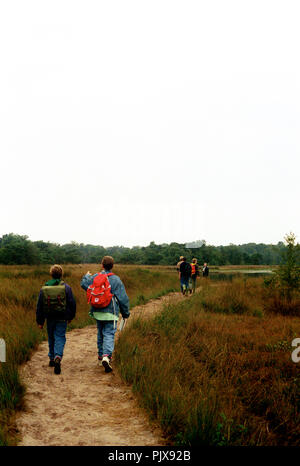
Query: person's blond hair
point(107, 262)
point(194, 260)
point(56, 271)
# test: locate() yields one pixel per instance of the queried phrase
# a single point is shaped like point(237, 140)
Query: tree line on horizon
point(19, 249)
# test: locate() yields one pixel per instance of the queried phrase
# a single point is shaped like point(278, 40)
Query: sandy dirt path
point(84, 405)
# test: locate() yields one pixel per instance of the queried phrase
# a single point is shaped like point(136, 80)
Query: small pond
point(217, 276)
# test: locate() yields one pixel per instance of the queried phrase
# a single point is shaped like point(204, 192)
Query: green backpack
point(54, 298)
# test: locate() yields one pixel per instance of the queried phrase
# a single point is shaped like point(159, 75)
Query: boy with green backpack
point(57, 305)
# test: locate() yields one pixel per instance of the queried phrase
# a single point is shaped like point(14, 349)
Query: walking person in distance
point(178, 270)
point(205, 270)
point(185, 271)
point(194, 274)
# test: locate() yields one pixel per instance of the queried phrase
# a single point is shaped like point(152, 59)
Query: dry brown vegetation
point(19, 288)
point(249, 296)
point(217, 368)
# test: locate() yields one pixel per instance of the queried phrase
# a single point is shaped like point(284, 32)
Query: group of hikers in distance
point(107, 297)
point(188, 273)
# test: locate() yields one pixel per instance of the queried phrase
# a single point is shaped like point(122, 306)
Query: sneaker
point(57, 368)
point(51, 363)
point(106, 364)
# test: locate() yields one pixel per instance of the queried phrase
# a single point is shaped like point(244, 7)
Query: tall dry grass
point(239, 296)
point(244, 295)
point(19, 288)
point(217, 378)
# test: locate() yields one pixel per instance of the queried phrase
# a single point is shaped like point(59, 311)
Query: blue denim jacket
point(117, 289)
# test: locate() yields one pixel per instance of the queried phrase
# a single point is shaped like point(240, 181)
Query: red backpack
point(193, 268)
point(98, 293)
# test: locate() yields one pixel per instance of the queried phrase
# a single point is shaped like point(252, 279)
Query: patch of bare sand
point(84, 405)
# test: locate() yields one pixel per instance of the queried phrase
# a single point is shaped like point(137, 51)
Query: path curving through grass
point(84, 406)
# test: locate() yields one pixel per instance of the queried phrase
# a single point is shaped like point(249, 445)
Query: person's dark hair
point(56, 271)
point(184, 258)
point(107, 262)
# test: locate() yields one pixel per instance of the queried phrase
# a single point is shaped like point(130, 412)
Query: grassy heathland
point(216, 369)
point(19, 288)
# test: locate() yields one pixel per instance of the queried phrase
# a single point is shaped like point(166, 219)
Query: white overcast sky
point(125, 122)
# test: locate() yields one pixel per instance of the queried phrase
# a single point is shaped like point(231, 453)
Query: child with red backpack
point(107, 296)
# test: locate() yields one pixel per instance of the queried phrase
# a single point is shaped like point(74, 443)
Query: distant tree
point(233, 254)
point(287, 276)
point(17, 249)
point(256, 259)
point(72, 253)
point(130, 257)
point(246, 258)
point(152, 256)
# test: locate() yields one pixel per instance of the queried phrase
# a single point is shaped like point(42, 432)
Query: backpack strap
point(113, 300)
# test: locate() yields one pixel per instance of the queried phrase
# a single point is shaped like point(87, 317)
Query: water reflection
point(217, 276)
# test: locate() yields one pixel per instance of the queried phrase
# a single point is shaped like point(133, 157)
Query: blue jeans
point(56, 338)
point(184, 284)
point(106, 337)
